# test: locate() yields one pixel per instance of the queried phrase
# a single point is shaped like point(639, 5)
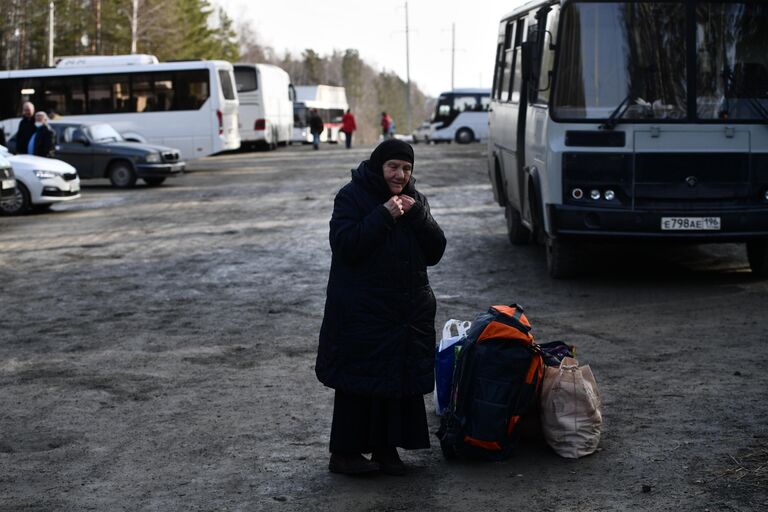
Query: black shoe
point(389, 462)
point(351, 464)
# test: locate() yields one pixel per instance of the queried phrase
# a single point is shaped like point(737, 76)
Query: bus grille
point(691, 180)
point(171, 156)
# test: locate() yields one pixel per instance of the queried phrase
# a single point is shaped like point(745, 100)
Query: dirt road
point(157, 349)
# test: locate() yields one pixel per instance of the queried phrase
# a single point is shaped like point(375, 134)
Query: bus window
point(64, 96)
point(464, 104)
point(732, 65)
point(506, 78)
point(163, 91)
point(142, 93)
point(620, 51)
point(300, 116)
point(246, 79)
point(548, 55)
point(108, 94)
point(191, 89)
point(485, 103)
point(227, 89)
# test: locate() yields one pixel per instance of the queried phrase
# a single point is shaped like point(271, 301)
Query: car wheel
point(757, 254)
point(562, 258)
point(465, 136)
point(17, 204)
point(122, 175)
point(154, 181)
point(518, 234)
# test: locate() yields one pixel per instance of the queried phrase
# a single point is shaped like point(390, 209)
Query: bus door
point(514, 130)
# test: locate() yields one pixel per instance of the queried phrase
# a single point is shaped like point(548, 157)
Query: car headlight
point(45, 175)
point(152, 158)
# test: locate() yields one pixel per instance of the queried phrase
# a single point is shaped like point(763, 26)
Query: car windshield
point(104, 133)
point(636, 52)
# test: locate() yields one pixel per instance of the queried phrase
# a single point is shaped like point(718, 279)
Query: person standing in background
point(26, 129)
point(43, 141)
point(316, 127)
point(385, 122)
point(348, 125)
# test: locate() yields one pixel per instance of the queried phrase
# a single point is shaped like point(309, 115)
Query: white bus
point(266, 104)
point(632, 119)
point(461, 115)
point(330, 102)
point(191, 106)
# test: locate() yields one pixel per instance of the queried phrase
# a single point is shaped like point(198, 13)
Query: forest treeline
point(193, 29)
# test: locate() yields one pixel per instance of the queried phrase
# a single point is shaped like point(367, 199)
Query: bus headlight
point(152, 158)
point(609, 195)
point(577, 193)
point(594, 194)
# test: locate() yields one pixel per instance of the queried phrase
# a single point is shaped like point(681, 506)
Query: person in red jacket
point(348, 125)
point(386, 121)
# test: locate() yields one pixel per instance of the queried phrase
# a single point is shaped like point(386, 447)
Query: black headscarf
point(390, 149)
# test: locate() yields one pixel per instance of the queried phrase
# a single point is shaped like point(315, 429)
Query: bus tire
point(465, 136)
point(757, 254)
point(562, 258)
point(122, 175)
point(518, 234)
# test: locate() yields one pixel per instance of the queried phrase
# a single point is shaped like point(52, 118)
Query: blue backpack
point(497, 379)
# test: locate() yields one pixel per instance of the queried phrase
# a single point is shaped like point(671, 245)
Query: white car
point(423, 133)
point(40, 182)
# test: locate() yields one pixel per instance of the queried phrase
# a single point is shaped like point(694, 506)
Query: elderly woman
point(377, 338)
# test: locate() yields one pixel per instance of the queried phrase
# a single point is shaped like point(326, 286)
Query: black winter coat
point(378, 332)
point(26, 129)
point(45, 141)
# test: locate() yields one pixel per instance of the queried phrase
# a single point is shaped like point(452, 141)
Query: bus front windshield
point(635, 53)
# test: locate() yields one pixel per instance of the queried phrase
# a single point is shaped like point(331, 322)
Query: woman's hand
point(407, 202)
point(395, 206)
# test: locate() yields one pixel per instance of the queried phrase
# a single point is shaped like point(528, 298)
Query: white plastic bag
point(444, 361)
point(571, 409)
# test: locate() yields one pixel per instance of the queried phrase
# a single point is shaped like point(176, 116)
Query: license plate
point(690, 223)
point(6, 184)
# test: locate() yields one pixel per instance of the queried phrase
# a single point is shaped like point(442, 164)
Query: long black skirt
point(362, 424)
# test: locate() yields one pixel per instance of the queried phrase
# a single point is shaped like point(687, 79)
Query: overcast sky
point(377, 30)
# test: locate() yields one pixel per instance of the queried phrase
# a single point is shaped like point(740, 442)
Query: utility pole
point(50, 33)
point(408, 72)
point(453, 51)
point(134, 25)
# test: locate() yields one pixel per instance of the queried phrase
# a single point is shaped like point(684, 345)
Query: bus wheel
point(562, 258)
point(517, 233)
point(121, 175)
point(465, 136)
point(757, 254)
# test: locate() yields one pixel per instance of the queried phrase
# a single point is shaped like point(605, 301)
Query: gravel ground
point(157, 349)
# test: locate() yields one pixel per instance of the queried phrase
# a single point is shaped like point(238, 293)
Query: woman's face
point(396, 174)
